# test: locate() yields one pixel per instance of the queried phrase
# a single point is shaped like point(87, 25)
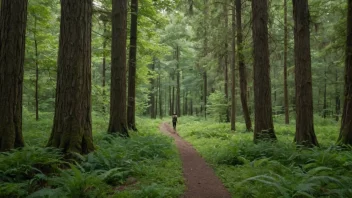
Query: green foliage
point(146, 164)
point(273, 169)
point(217, 106)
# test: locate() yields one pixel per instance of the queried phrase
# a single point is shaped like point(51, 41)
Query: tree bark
point(160, 95)
point(287, 114)
point(345, 136)
point(152, 93)
point(131, 109)
point(118, 114)
point(36, 70)
point(242, 67)
point(226, 57)
point(264, 128)
point(303, 77)
point(233, 69)
point(337, 98)
point(104, 64)
point(72, 130)
point(13, 20)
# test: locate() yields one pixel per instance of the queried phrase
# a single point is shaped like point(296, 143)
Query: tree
point(345, 136)
point(242, 66)
point(13, 20)
point(72, 130)
point(118, 114)
point(303, 76)
point(287, 115)
point(131, 107)
point(233, 69)
point(264, 128)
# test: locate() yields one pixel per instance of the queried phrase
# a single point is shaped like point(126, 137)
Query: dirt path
point(201, 181)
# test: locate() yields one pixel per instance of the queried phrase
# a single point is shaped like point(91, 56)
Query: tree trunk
point(287, 114)
point(173, 95)
point(104, 64)
point(160, 96)
point(36, 70)
point(72, 130)
point(205, 93)
point(152, 93)
point(264, 128)
point(131, 109)
point(324, 104)
point(178, 86)
point(345, 136)
point(226, 57)
point(233, 69)
point(337, 98)
point(303, 77)
point(13, 20)
point(242, 67)
point(118, 114)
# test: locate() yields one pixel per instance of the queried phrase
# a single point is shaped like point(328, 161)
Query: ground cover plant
point(146, 165)
point(273, 169)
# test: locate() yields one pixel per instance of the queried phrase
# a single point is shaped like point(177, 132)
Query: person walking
point(174, 120)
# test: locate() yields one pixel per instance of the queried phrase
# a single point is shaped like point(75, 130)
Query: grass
point(146, 165)
point(273, 169)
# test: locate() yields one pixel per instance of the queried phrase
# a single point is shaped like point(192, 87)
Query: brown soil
point(201, 181)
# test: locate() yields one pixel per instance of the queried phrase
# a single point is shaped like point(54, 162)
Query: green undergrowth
point(279, 169)
point(145, 165)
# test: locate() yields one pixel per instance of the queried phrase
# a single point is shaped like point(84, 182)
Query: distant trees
point(72, 130)
point(13, 21)
point(263, 122)
point(303, 75)
point(346, 121)
point(118, 111)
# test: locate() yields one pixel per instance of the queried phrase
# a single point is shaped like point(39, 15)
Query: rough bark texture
point(72, 130)
point(242, 67)
point(233, 74)
point(346, 120)
point(118, 113)
point(303, 76)
point(264, 128)
point(287, 115)
point(131, 108)
point(13, 20)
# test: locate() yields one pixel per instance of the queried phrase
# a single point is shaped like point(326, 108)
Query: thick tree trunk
point(72, 130)
point(287, 114)
point(242, 67)
point(13, 20)
point(36, 70)
point(264, 128)
point(346, 120)
point(303, 76)
point(178, 86)
point(131, 109)
point(233, 69)
point(118, 114)
point(104, 65)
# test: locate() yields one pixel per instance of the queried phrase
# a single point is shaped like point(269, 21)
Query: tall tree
point(118, 114)
point(303, 75)
point(287, 115)
point(131, 107)
point(36, 69)
point(264, 127)
point(178, 86)
point(242, 66)
point(226, 57)
point(13, 20)
point(346, 123)
point(72, 130)
point(104, 61)
point(233, 69)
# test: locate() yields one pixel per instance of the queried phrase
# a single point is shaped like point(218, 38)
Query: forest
point(89, 90)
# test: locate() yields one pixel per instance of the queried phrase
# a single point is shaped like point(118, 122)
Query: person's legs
point(174, 125)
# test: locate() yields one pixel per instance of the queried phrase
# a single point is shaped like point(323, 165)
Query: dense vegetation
point(262, 89)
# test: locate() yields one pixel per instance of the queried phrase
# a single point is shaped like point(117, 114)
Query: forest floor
point(200, 179)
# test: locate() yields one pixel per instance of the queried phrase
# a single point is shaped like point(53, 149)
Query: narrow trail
point(201, 181)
